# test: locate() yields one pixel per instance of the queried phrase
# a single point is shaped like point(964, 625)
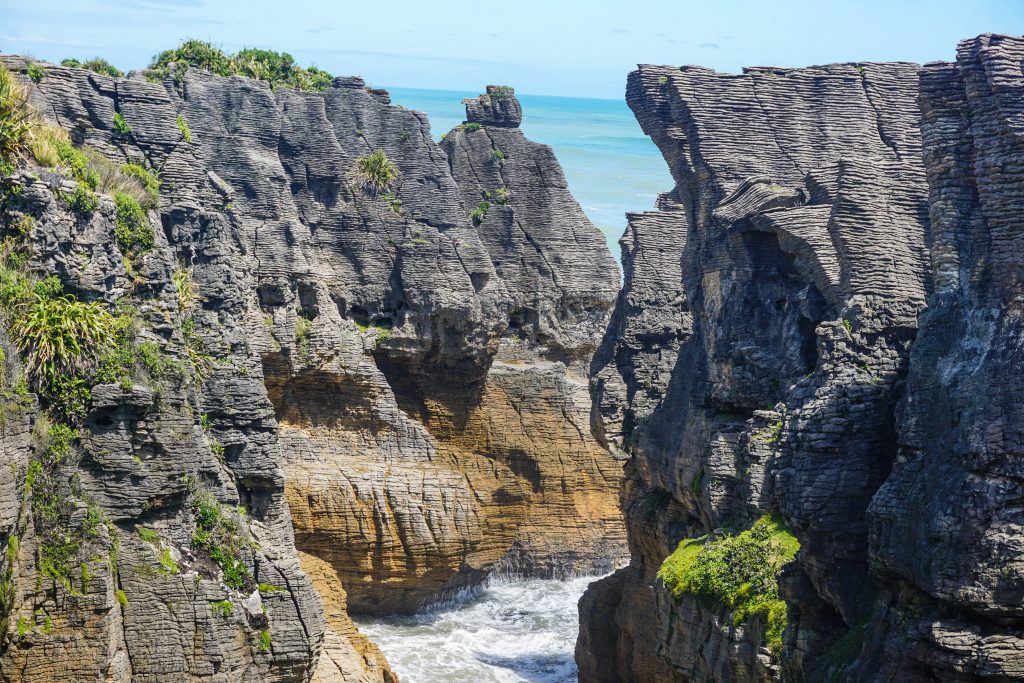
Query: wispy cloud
point(437, 59)
point(710, 46)
point(620, 31)
point(43, 40)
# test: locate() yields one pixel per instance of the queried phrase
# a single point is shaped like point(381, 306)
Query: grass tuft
point(377, 172)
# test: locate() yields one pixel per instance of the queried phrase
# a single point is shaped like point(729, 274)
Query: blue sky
point(553, 47)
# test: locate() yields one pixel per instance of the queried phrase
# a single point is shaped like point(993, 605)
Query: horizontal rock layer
point(397, 396)
point(766, 354)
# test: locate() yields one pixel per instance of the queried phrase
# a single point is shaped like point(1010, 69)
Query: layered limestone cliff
point(765, 356)
point(381, 397)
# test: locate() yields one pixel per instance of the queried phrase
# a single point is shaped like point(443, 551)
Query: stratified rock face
point(947, 529)
point(757, 352)
point(396, 397)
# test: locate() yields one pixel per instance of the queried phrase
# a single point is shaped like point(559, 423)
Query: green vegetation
point(185, 287)
point(60, 544)
point(377, 172)
point(478, 213)
point(697, 481)
point(269, 588)
point(82, 201)
point(773, 435)
point(302, 330)
point(96, 65)
point(222, 608)
point(220, 535)
point(168, 566)
point(147, 535)
point(126, 355)
point(59, 337)
point(848, 325)
point(135, 234)
point(503, 195)
point(50, 146)
point(663, 81)
point(277, 68)
point(122, 599)
point(497, 155)
point(471, 127)
point(381, 333)
point(217, 448)
point(196, 349)
point(186, 132)
point(149, 182)
point(501, 92)
point(121, 125)
point(15, 123)
point(264, 644)
point(394, 203)
point(35, 72)
point(85, 576)
point(24, 627)
point(737, 572)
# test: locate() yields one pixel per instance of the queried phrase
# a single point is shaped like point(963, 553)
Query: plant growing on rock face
point(185, 288)
point(149, 182)
point(394, 203)
point(60, 336)
point(15, 123)
point(135, 234)
point(303, 326)
point(82, 201)
point(121, 125)
point(503, 195)
point(35, 72)
point(471, 127)
point(377, 172)
point(186, 132)
point(738, 572)
point(497, 155)
point(478, 213)
point(222, 608)
point(219, 533)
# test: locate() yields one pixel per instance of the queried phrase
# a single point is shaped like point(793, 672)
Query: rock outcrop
point(765, 357)
point(385, 398)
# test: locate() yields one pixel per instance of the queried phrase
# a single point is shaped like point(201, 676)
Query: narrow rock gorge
point(343, 387)
point(815, 346)
point(273, 357)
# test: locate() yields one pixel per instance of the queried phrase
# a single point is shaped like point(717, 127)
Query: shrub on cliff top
point(96, 65)
point(738, 572)
point(276, 68)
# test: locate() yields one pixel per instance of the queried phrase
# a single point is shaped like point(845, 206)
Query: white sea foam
point(510, 631)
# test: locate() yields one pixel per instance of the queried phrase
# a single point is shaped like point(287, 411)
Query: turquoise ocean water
point(611, 166)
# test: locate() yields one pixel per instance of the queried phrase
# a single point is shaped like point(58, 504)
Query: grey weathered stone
point(799, 226)
point(816, 212)
point(394, 405)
